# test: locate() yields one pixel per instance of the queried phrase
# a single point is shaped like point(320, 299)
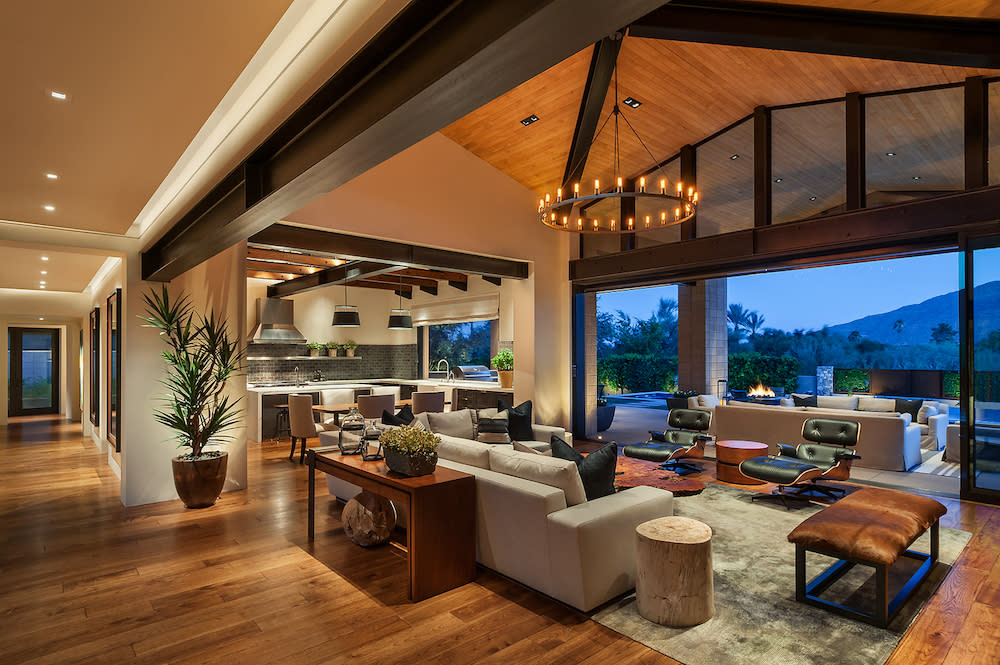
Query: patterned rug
point(757, 619)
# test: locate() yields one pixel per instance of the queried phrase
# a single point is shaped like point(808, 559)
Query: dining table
point(337, 409)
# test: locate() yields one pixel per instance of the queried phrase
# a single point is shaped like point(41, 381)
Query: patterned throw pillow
point(493, 430)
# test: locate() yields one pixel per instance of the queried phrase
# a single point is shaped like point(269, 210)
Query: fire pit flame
point(760, 390)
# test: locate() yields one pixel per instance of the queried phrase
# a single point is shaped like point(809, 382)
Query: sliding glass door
point(33, 371)
point(980, 427)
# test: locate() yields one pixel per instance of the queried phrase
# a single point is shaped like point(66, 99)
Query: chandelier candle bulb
point(612, 225)
point(647, 221)
point(619, 183)
point(597, 187)
point(576, 190)
point(663, 186)
point(631, 223)
point(642, 185)
point(663, 217)
point(677, 213)
point(559, 195)
point(680, 188)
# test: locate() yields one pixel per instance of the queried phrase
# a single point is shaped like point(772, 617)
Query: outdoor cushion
point(804, 400)
point(927, 409)
point(402, 417)
point(463, 451)
point(876, 404)
point(453, 423)
point(520, 419)
point(708, 401)
point(837, 402)
point(910, 406)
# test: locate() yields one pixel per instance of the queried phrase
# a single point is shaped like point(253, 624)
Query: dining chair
point(301, 423)
point(432, 401)
point(372, 406)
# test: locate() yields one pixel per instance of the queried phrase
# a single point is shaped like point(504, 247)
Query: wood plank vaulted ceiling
point(689, 91)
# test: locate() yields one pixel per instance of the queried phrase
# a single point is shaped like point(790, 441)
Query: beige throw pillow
point(559, 473)
point(520, 447)
point(453, 423)
point(876, 404)
point(927, 409)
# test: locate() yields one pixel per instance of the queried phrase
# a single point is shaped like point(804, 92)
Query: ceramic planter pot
point(506, 378)
point(199, 482)
point(314, 353)
point(349, 352)
point(410, 465)
point(332, 353)
point(605, 415)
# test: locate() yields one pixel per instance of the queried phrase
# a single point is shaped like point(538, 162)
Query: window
point(459, 344)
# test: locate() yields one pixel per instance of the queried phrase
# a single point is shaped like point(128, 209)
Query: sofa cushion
point(927, 409)
point(708, 401)
point(464, 451)
point(520, 419)
point(877, 404)
point(453, 423)
point(910, 406)
point(597, 470)
point(492, 430)
point(558, 473)
point(422, 419)
point(837, 402)
point(804, 400)
point(402, 417)
point(521, 447)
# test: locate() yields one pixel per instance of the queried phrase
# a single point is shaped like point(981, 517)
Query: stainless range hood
point(275, 323)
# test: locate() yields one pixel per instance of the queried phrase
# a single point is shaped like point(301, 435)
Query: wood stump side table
point(729, 454)
point(673, 585)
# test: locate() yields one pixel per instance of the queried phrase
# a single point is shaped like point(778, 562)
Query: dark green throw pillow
point(597, 470)
point(402, 417)
point(519, 420)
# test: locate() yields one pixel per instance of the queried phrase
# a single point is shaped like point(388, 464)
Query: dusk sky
point(815, 297)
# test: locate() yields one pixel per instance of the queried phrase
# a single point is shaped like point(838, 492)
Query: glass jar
point(352, 430)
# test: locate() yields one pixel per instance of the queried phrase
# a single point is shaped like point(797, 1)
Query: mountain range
point(919, 319)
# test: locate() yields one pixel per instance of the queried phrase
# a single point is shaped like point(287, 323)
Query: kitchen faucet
point(447, 368)
point(298, 379)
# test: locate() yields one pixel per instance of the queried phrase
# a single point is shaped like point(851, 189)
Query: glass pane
point(808, 145)
point(985, 467)
point(725, 182)
point(994, 131)
point(458, 344)
point(36, 371)
point(915, 145)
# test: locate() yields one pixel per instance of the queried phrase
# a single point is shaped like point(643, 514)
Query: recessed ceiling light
point(41, 286)
point(55, 94)
point(812, 198)
point(45, 272)
point(778, 179)
point(530, 119)
point(734, 157)
point(43, 282)
point(890, 154)
point(41, 318)
point(45, 258)
point(51, 176)
point(916, 177)
point(50, 208)
point(632, 101)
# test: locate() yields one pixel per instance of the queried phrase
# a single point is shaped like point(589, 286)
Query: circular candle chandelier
point(664, 204)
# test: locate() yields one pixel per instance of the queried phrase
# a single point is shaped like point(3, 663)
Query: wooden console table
point(440, 527)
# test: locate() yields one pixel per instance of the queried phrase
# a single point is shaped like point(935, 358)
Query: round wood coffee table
point(729, 454)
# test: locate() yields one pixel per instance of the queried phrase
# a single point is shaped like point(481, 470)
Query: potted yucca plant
point(201, 357)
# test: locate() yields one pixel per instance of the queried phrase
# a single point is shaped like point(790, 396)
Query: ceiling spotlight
point(778, 179)
point(812, 198)
point(890, 154)
point(55, 94)
point(45, 258)
point(50, 208)
point(916, 177)
point(734, 157)
point(631, 101)
point(529, 120)
point(51, 176)
point(41, 318)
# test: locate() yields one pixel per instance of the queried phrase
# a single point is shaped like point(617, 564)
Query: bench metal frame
point(885, 609)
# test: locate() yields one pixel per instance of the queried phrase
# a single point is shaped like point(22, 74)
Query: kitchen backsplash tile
point(397, 361)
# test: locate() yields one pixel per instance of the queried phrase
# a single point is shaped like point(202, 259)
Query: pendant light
point(346, 316)
point(400, 319)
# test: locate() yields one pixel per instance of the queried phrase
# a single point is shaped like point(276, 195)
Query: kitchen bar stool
point(281, 424)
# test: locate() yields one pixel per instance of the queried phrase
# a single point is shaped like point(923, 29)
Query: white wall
point(438, 194)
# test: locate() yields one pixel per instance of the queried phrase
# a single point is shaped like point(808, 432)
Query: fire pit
point(760, 394)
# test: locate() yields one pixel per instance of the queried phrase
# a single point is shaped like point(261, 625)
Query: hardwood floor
point(85, 580)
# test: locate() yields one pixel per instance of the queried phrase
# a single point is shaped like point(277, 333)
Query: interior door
point(33, 371)
point(981, 371)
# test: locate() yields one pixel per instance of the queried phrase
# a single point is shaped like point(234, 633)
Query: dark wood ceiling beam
point(602, 69)
point(434, 62)
point(495, 281)
point(292, 257)
point(939, 40)
point(350, 272)
point(909, 227)
point(432, 290)
point(461, 285)
point(281, 267)
point(388, 252)
point(406, 291)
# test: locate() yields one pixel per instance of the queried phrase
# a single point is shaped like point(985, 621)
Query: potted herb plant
point(349, 347)
point(201, 357)
point(331, 349)
point(503, 362)
point(314, 348)
point(411, 451)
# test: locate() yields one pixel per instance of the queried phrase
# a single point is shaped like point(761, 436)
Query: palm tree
point(943, 332)
point(737, 317)
point(754, 323)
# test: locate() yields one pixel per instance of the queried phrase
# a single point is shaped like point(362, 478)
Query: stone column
point(702, 337)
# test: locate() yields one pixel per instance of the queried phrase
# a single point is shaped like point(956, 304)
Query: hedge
point(747, 369)
point(637, 373)
point(851, 380)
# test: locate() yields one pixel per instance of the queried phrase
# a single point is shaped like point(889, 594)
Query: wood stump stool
point(673, 585)
point(368, 519)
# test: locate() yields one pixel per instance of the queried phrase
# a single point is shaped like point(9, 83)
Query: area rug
point(756, 617)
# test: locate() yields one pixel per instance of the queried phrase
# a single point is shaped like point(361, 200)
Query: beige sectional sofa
point(534, 524)
point(887, 440)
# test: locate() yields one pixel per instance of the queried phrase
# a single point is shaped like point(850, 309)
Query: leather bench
point(872, 527)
